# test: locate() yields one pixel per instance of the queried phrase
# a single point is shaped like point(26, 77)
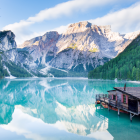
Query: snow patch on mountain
point(10, 76)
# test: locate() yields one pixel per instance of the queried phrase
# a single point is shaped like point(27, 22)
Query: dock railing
point(102, 97)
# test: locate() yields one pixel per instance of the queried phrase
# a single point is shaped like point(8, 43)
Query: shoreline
point(71, 78)
point(137, 82)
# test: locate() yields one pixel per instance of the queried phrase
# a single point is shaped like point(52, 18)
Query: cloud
point(123, 21)
point(63, 9)
point(61, 29)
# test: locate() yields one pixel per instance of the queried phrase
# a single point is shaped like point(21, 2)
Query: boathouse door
point(132, 105)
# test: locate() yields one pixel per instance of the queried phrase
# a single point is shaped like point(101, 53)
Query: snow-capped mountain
point(81, 48)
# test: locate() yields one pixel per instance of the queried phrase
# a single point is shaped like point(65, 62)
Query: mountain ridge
point(125, 66)
point(82, 45)
point(81, 48)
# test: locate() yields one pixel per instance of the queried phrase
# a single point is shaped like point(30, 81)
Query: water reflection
point(51, 108)
point(120, 127)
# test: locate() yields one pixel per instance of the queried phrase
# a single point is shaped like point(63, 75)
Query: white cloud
point(123, 21)
point(63, 9)
point(60, 29)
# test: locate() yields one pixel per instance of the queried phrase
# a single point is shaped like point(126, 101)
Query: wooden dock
point(107, 99)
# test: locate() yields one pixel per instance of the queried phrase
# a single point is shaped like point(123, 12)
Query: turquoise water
point(61, 109)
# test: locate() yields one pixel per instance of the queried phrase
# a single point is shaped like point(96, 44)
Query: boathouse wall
point(117, 93)
point(119, 98)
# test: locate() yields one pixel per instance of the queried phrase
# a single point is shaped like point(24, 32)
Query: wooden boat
point(104, 105)
point(116, 109)
point(112, 108)
point(97, 102)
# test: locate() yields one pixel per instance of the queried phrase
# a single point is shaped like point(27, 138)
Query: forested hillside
point(125, 66)
point(3, 72)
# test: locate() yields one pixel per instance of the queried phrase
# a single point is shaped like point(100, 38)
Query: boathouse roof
point(133, 91)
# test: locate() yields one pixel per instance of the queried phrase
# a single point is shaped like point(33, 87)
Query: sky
point(31, 18)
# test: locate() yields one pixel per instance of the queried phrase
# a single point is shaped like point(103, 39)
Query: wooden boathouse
point(125, 99)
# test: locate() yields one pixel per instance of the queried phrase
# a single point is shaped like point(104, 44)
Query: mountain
point(81, 48)
point(10, 58)
point(125, 66)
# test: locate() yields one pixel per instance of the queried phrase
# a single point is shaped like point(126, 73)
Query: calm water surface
point(61, 109)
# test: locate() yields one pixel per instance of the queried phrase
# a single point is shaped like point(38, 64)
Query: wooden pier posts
point(118, 112)
point(108, 103)
point(131, 116)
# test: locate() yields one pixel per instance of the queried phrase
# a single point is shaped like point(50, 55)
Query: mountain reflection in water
point(50, 108)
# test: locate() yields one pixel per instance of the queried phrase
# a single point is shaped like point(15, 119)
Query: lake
point(61, 109)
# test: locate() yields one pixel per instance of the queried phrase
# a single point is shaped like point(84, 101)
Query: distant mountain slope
point(9, 63)
point(81, 48)
point(125, 66)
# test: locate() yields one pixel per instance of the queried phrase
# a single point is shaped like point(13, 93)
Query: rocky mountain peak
point(78, 27)
point(7, 40)
point(9, 34)
point(105, 29)
point(83, 26)
point(50, 35)
point(47, 37)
